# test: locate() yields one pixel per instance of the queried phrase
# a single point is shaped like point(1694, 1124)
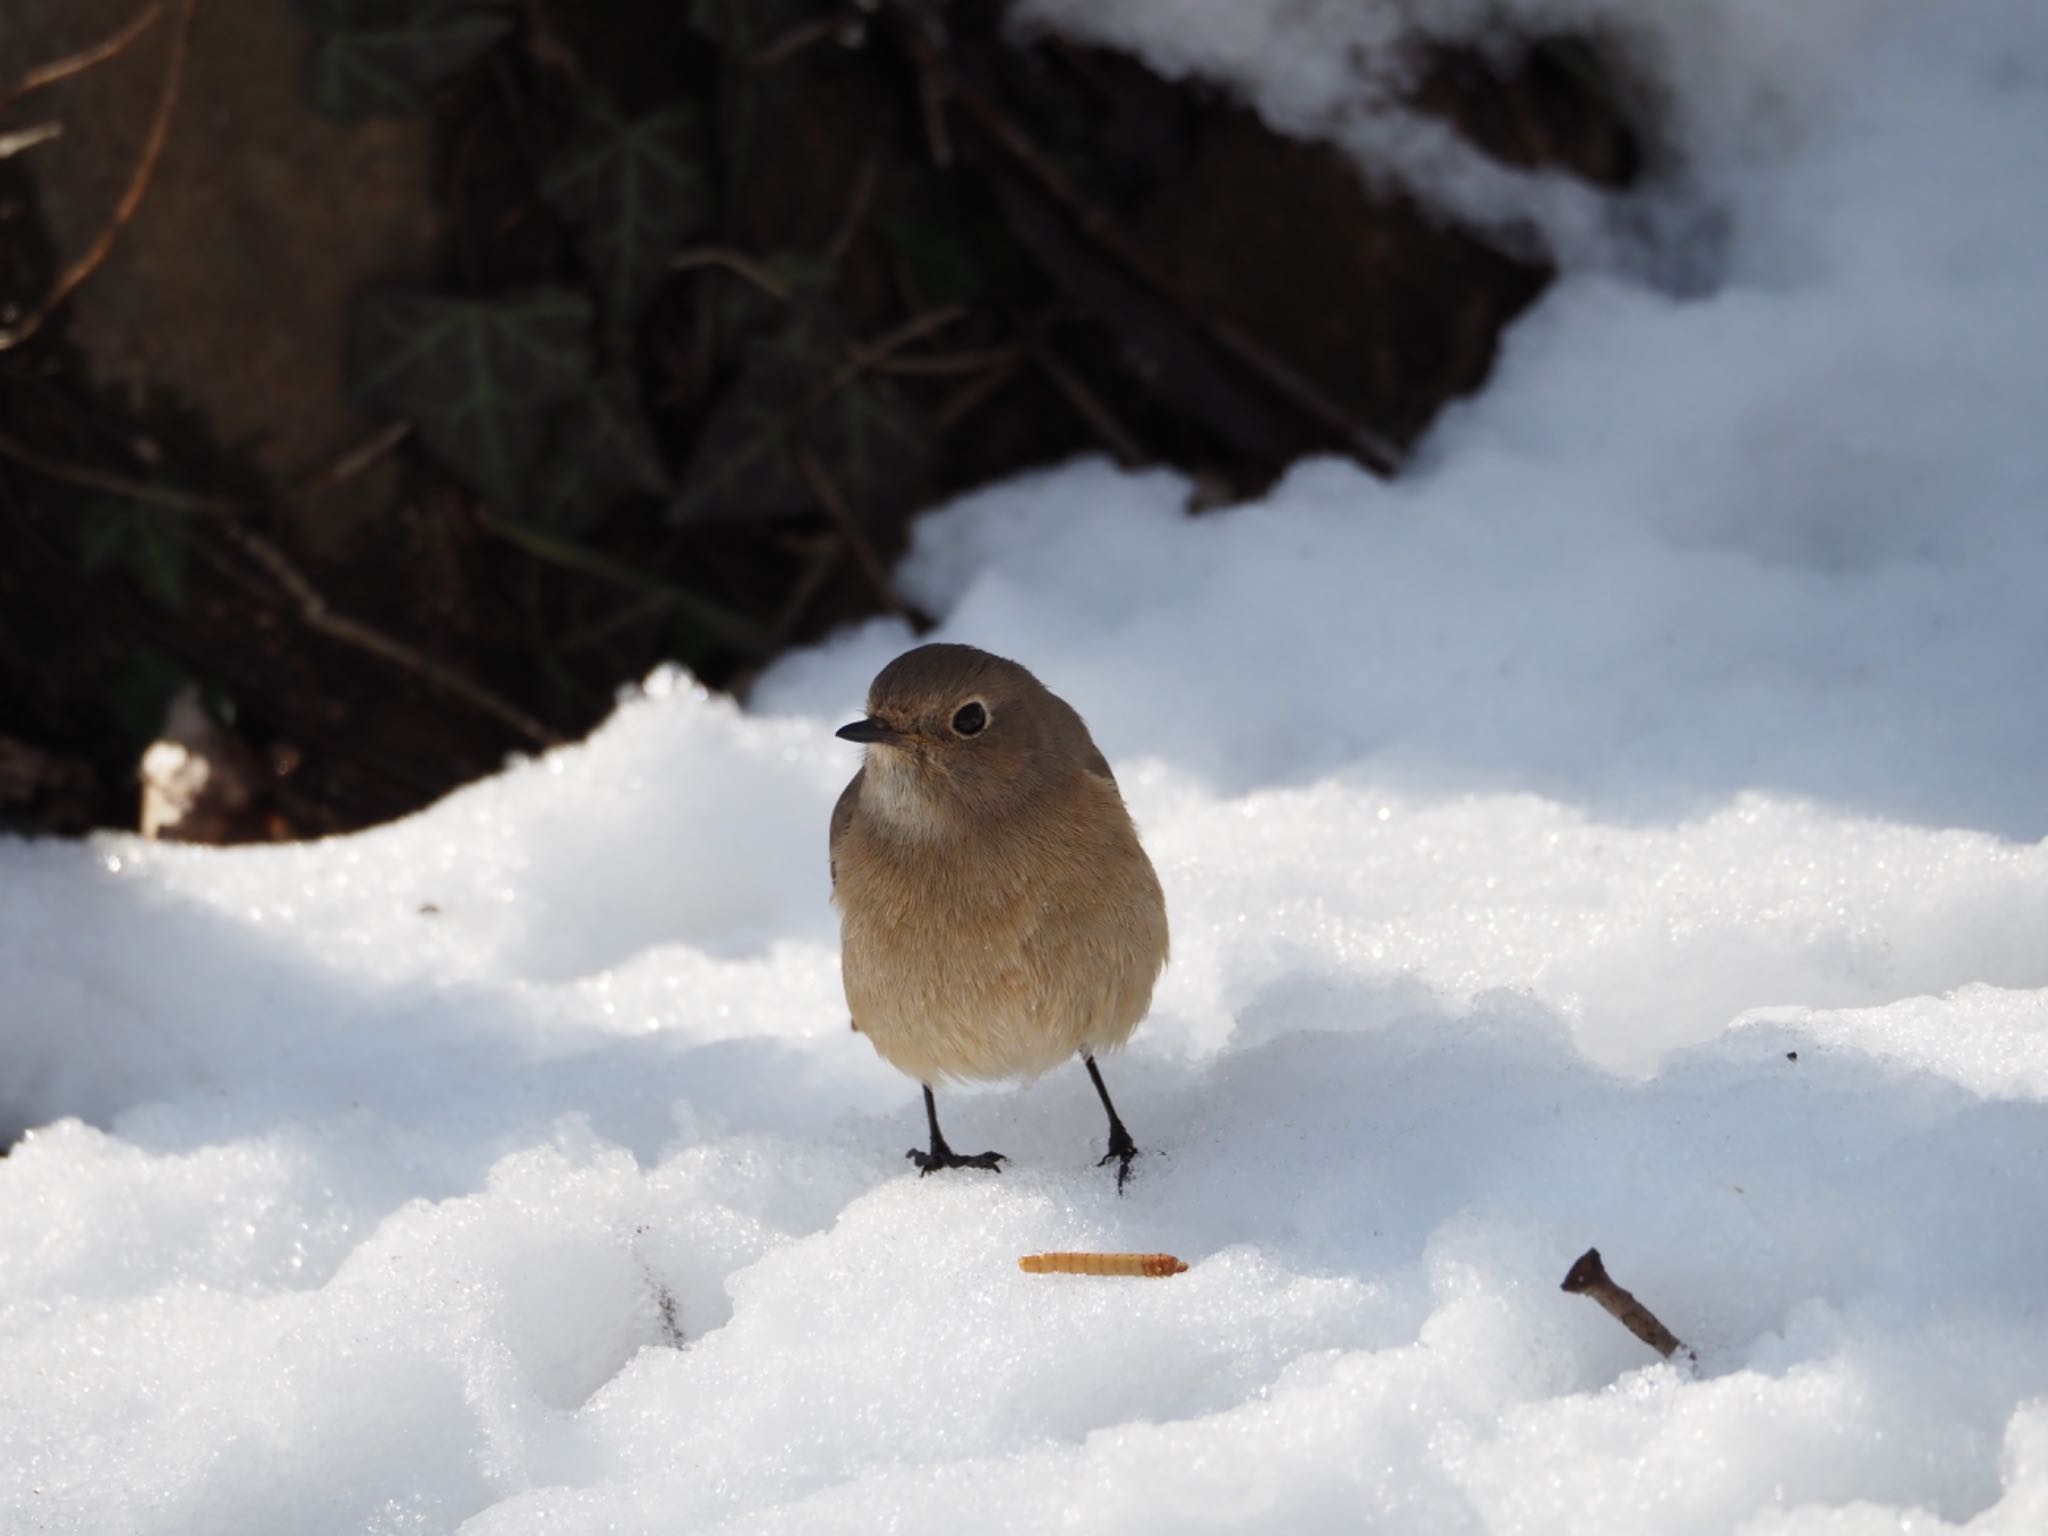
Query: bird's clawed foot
point(1121, 1150)
point(943, 1156)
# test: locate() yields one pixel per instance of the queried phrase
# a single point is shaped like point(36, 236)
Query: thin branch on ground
point(943, 364)
point(1091, 408)
point(353, 462)
point(21, 140)
point(829, 497)
point(805, 35)
point(1094, 222)
point(131, 198)
point(931, 101)
point(226, 517)
point(864, 355)
point(86, 477)
point(44, 75)
point(545, 47)
point(315, 613)
point(857, 206)
point(810, 581)
point(728, 626)
point(737, 262)
point(977, 394)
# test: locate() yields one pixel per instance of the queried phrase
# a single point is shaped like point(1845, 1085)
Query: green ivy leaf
point(480, 378)
point(385, 55)
point(875, 447)
point(603, 450)
point(635, 188)
point(744, 467)
point(752, 101)
point(149, 543)
point(742, 310)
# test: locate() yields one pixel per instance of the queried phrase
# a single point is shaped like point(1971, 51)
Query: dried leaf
point(480, 378)
point(385, 55)
point(635, 188)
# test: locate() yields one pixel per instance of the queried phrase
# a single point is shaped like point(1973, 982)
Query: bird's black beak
point(868, 730)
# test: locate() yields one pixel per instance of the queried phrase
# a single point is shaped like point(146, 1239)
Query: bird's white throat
point(894, 792)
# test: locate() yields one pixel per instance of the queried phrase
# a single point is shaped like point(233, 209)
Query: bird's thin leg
point(1121, 1147)
point(943, 1156)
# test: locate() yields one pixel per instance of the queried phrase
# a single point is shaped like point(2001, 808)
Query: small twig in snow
point(1589, 1277)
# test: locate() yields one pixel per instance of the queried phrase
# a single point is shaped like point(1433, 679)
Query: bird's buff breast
point(967, 968)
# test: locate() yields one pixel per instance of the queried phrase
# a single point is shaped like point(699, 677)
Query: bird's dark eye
point(970, 719)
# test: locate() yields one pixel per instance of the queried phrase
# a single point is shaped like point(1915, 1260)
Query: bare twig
point(545, 47)
point(975, 395)
point(931, 98)
point(805, 35)
point(809, 583)
point(829, 497)
point(225, 516)
point(942, 364)
point(728, 626)
point(88, 478)
point(1091, 407)
point(857, 205)
point(353, 462)
point(131, 197)
point(735, 261)
point(23, 139)
point(863, 355)
point(1589, 1277)
point(1364, 444)
point(316, 615)
point(78, 63)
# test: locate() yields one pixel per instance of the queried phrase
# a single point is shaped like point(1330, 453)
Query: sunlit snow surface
point(1625, 829)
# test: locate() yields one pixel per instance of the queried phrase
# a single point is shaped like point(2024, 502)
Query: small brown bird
point(997, 912)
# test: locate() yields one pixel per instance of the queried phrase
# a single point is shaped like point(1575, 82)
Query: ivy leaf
point(149, 543)
point(603, 450)
point(875, 447)
point(480, 378)
point(635, 188)
point(385, 55)
point(744, 467)
point(741, 309)
point(752, 102)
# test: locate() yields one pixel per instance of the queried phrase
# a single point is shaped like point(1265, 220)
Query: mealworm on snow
point(1150, 1265)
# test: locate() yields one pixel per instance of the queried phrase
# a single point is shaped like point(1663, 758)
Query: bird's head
point(955, 735)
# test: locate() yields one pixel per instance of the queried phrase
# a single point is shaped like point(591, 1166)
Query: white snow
point(1626, 829)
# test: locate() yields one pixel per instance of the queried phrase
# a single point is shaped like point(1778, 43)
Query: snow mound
point(1626, 829)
